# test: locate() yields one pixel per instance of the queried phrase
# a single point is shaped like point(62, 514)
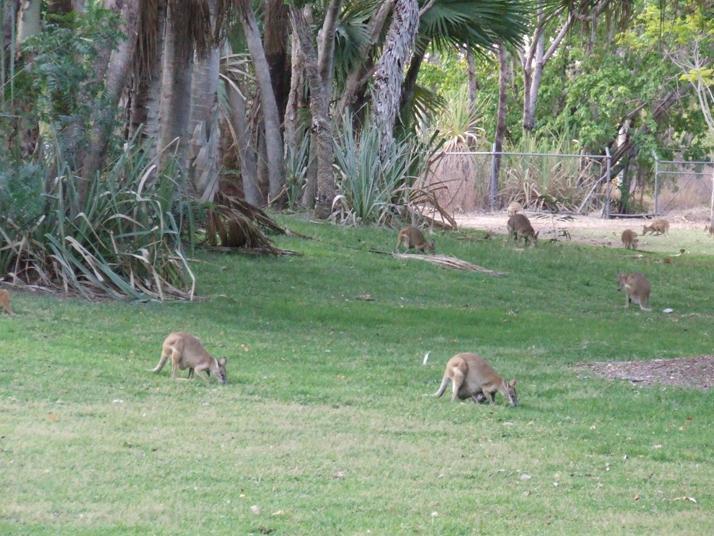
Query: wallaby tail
point(162, 362)
point(443, 386)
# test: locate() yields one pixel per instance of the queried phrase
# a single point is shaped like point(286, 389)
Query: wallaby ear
point(222, 361)
point(513, 382)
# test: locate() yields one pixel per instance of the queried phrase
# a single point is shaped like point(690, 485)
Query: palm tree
point(319, 70)
point(271, 116)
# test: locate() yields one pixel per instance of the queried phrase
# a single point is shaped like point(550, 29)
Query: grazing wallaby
point(658, 227)
point(637, 289)
point(5, 301)
point(629, 238)
point(413, 238)
point(187, 352)
point(472, 377)
point(514, 207)
point(520, 226)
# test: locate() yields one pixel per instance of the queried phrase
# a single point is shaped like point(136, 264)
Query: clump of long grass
point(123, 240)
point(547, 181)
point(373, 188)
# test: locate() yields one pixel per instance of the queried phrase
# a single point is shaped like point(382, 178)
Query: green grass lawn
point(327, 424)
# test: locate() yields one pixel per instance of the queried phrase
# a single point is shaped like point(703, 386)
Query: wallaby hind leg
point(456, 383)
point(175, 358)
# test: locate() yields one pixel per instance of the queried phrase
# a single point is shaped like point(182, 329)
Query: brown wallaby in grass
point(5, 301)
point(520, 226)
point(657, 227)
point(637, 289)
point(514, 207)
point(472, 377)
point(413, 238)
point(187, 352)
point(629, 238)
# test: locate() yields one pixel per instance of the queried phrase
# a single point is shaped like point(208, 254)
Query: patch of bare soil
point(692, 373)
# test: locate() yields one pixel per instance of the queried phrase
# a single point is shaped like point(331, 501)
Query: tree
point(388, 76)
point(318, 66)
point(271, 116)
point(120, 62)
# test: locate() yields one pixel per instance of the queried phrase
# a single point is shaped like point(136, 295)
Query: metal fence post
point(608, 161)
point(656, 183)
point(493, 187)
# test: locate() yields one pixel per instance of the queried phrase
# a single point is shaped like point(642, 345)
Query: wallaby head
point(218, 369)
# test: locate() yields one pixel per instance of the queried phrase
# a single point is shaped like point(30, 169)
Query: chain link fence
point(566, 183)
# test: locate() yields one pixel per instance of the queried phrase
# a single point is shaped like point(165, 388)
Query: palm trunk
point(275, 21)
point(175, 100)
point(386, 93)
point(271, 116)
point(503, 81)
point(146, 95)
point(318, 68)
point(205, 134)
point(296, 88)
point(117, 77)
point(245, 147)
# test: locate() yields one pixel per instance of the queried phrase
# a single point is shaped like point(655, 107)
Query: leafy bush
point(124, 241)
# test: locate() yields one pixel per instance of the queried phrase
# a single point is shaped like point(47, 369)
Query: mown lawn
point(327, 424)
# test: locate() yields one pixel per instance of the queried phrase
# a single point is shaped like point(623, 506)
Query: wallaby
point(472, 377)
point(5, 301)
point(413, 238)
point(520, 226)
point(514, 207)
point(629, 238)
point(637, 289)
point(187, 352)
point(658, 227)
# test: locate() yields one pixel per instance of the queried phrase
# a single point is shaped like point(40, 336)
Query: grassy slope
point(326, 423)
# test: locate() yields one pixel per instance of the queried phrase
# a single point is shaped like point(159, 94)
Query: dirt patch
point(686, 230)
point(692, 373)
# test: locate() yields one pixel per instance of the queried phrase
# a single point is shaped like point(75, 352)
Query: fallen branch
point(448, 262)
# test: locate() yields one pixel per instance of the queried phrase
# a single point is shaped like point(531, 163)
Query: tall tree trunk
point(296, 88)
point(503, 81)
point(175, 101)
point(275, 21)
point(28, 20)
point(117, 77)
point(146, 94)
point(533, 61)
point(389, 75)
point(409, 86)
point(318, 68)
point(245, 147)
point(271, 116)
point(204, 131)
point(473, 81)
point(530, 92)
